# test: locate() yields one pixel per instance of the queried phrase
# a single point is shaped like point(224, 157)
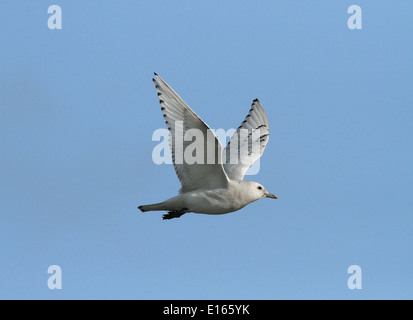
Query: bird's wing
point(253, 135)
point(197, 163)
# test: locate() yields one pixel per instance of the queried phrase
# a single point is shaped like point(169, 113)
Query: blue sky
point(77, 113)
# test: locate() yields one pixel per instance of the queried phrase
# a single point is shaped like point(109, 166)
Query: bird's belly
point(210, 202)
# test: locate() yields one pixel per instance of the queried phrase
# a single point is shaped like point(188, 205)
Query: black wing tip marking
point(155, 74)
point(253, 104)
point(155, 83)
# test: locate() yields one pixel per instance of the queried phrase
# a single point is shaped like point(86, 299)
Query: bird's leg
point(174, 214)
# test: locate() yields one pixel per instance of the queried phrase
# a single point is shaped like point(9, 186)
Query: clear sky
point(78, 110)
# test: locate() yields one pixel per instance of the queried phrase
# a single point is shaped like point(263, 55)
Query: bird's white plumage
point(179, 116)
point(210, 187)
point(248, 146)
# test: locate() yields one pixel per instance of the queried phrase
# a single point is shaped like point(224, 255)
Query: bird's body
point(211, 201)
point(212, 186)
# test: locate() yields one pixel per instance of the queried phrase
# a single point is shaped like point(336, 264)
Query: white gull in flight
point(215, 184)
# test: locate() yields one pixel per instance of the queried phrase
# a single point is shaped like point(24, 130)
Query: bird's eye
point(259, 188)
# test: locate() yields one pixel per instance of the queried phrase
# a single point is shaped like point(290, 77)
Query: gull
point(211, 187)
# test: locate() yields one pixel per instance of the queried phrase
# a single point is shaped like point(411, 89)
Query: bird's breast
point(217, 201)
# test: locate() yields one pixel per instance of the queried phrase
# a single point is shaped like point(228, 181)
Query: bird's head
point(257, 191)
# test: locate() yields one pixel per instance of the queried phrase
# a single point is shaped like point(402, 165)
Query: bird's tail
point(153, 207)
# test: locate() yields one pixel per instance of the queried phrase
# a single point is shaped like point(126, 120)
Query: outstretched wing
point(247, 143)
point(180, 119)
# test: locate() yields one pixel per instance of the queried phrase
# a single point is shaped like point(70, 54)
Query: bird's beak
point(272, 196)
